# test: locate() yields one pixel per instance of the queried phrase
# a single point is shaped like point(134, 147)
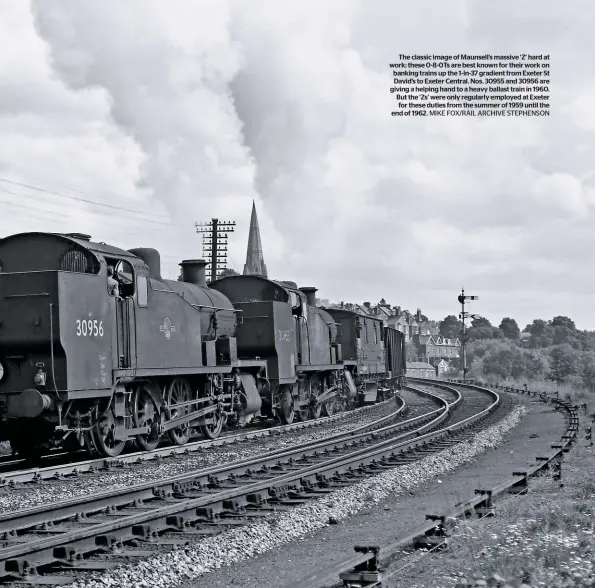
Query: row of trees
point(555, 350)
point(480, 328)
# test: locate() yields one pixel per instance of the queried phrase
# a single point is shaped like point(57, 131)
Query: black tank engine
point(97, 349)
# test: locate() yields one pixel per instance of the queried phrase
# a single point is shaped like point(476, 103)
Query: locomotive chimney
point(193, 272)
point(310, 293)
point(152, 258)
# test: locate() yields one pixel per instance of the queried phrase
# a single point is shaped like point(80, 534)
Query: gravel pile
point(19, 498)
point(238, 544)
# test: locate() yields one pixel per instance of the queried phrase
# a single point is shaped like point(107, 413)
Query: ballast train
point(85, 366)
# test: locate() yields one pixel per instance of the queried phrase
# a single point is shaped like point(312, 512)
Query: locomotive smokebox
point(310, 293)
point(193, 272)
point(152, 258)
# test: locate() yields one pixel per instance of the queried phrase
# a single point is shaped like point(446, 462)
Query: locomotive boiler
point(82, 368)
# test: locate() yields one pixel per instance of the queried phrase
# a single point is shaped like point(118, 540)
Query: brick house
point(433, 348)
point(420, 369)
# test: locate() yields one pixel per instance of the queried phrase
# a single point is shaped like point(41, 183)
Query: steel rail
point(364, 568)
point(180, 508)
point(61, 470)
point(13, 521)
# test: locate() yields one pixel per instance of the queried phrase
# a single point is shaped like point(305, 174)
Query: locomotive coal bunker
point(82, 368)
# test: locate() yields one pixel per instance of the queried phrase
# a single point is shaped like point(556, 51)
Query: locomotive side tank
point(282, 325)
point(81, 367)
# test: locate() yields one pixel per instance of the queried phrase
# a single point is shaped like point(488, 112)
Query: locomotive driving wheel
point(315, 392)
point(102, 434)
point(285, 411)
point(145, 414)
point(214, 428)
point(178, 391)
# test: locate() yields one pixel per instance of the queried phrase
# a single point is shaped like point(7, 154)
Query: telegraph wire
point(78, 210)
point(29, 171)
point(86, 201)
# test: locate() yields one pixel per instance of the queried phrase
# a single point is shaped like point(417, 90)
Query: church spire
point(254, 259)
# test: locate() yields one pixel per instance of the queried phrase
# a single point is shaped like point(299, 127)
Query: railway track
point(14, 470)
point(374, 566)
point(100, 531)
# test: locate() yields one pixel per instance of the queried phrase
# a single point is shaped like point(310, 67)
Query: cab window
point(124, 275)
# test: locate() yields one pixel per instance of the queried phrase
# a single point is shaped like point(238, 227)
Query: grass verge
point(544, 539)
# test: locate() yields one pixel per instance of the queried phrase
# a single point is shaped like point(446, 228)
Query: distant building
point(420, 369)
point(434, 348)
point(254, 257)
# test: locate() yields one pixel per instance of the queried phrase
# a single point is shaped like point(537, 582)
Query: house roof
point(419, 364)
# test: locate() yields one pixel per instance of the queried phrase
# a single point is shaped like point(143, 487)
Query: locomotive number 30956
point(89, 328)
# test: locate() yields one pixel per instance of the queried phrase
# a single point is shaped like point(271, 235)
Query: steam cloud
point(288, 103)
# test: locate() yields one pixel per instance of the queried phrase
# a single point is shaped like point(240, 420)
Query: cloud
point(188, 110)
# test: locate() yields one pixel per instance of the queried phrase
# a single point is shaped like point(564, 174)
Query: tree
point(180, 279)
point(451, 327)
point(481, 328)
point(510, 329)
point(481, 321)
point(542, 334)
point(563, 321)
point(504, 359)
point(564, 362)
point(228, 272)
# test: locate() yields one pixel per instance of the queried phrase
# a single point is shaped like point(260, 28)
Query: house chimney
point(418, 315)
point(193, 272)
point(310, 293)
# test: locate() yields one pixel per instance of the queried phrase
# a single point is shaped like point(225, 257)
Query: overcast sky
point(171, 112)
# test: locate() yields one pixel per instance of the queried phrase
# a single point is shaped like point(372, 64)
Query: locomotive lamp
point(1, 371)
point(40, 376)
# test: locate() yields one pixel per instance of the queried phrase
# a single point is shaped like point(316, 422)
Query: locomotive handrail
point(195, 306)
point(215, 308)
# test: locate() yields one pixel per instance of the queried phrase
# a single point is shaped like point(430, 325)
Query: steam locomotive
point(81, 368)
